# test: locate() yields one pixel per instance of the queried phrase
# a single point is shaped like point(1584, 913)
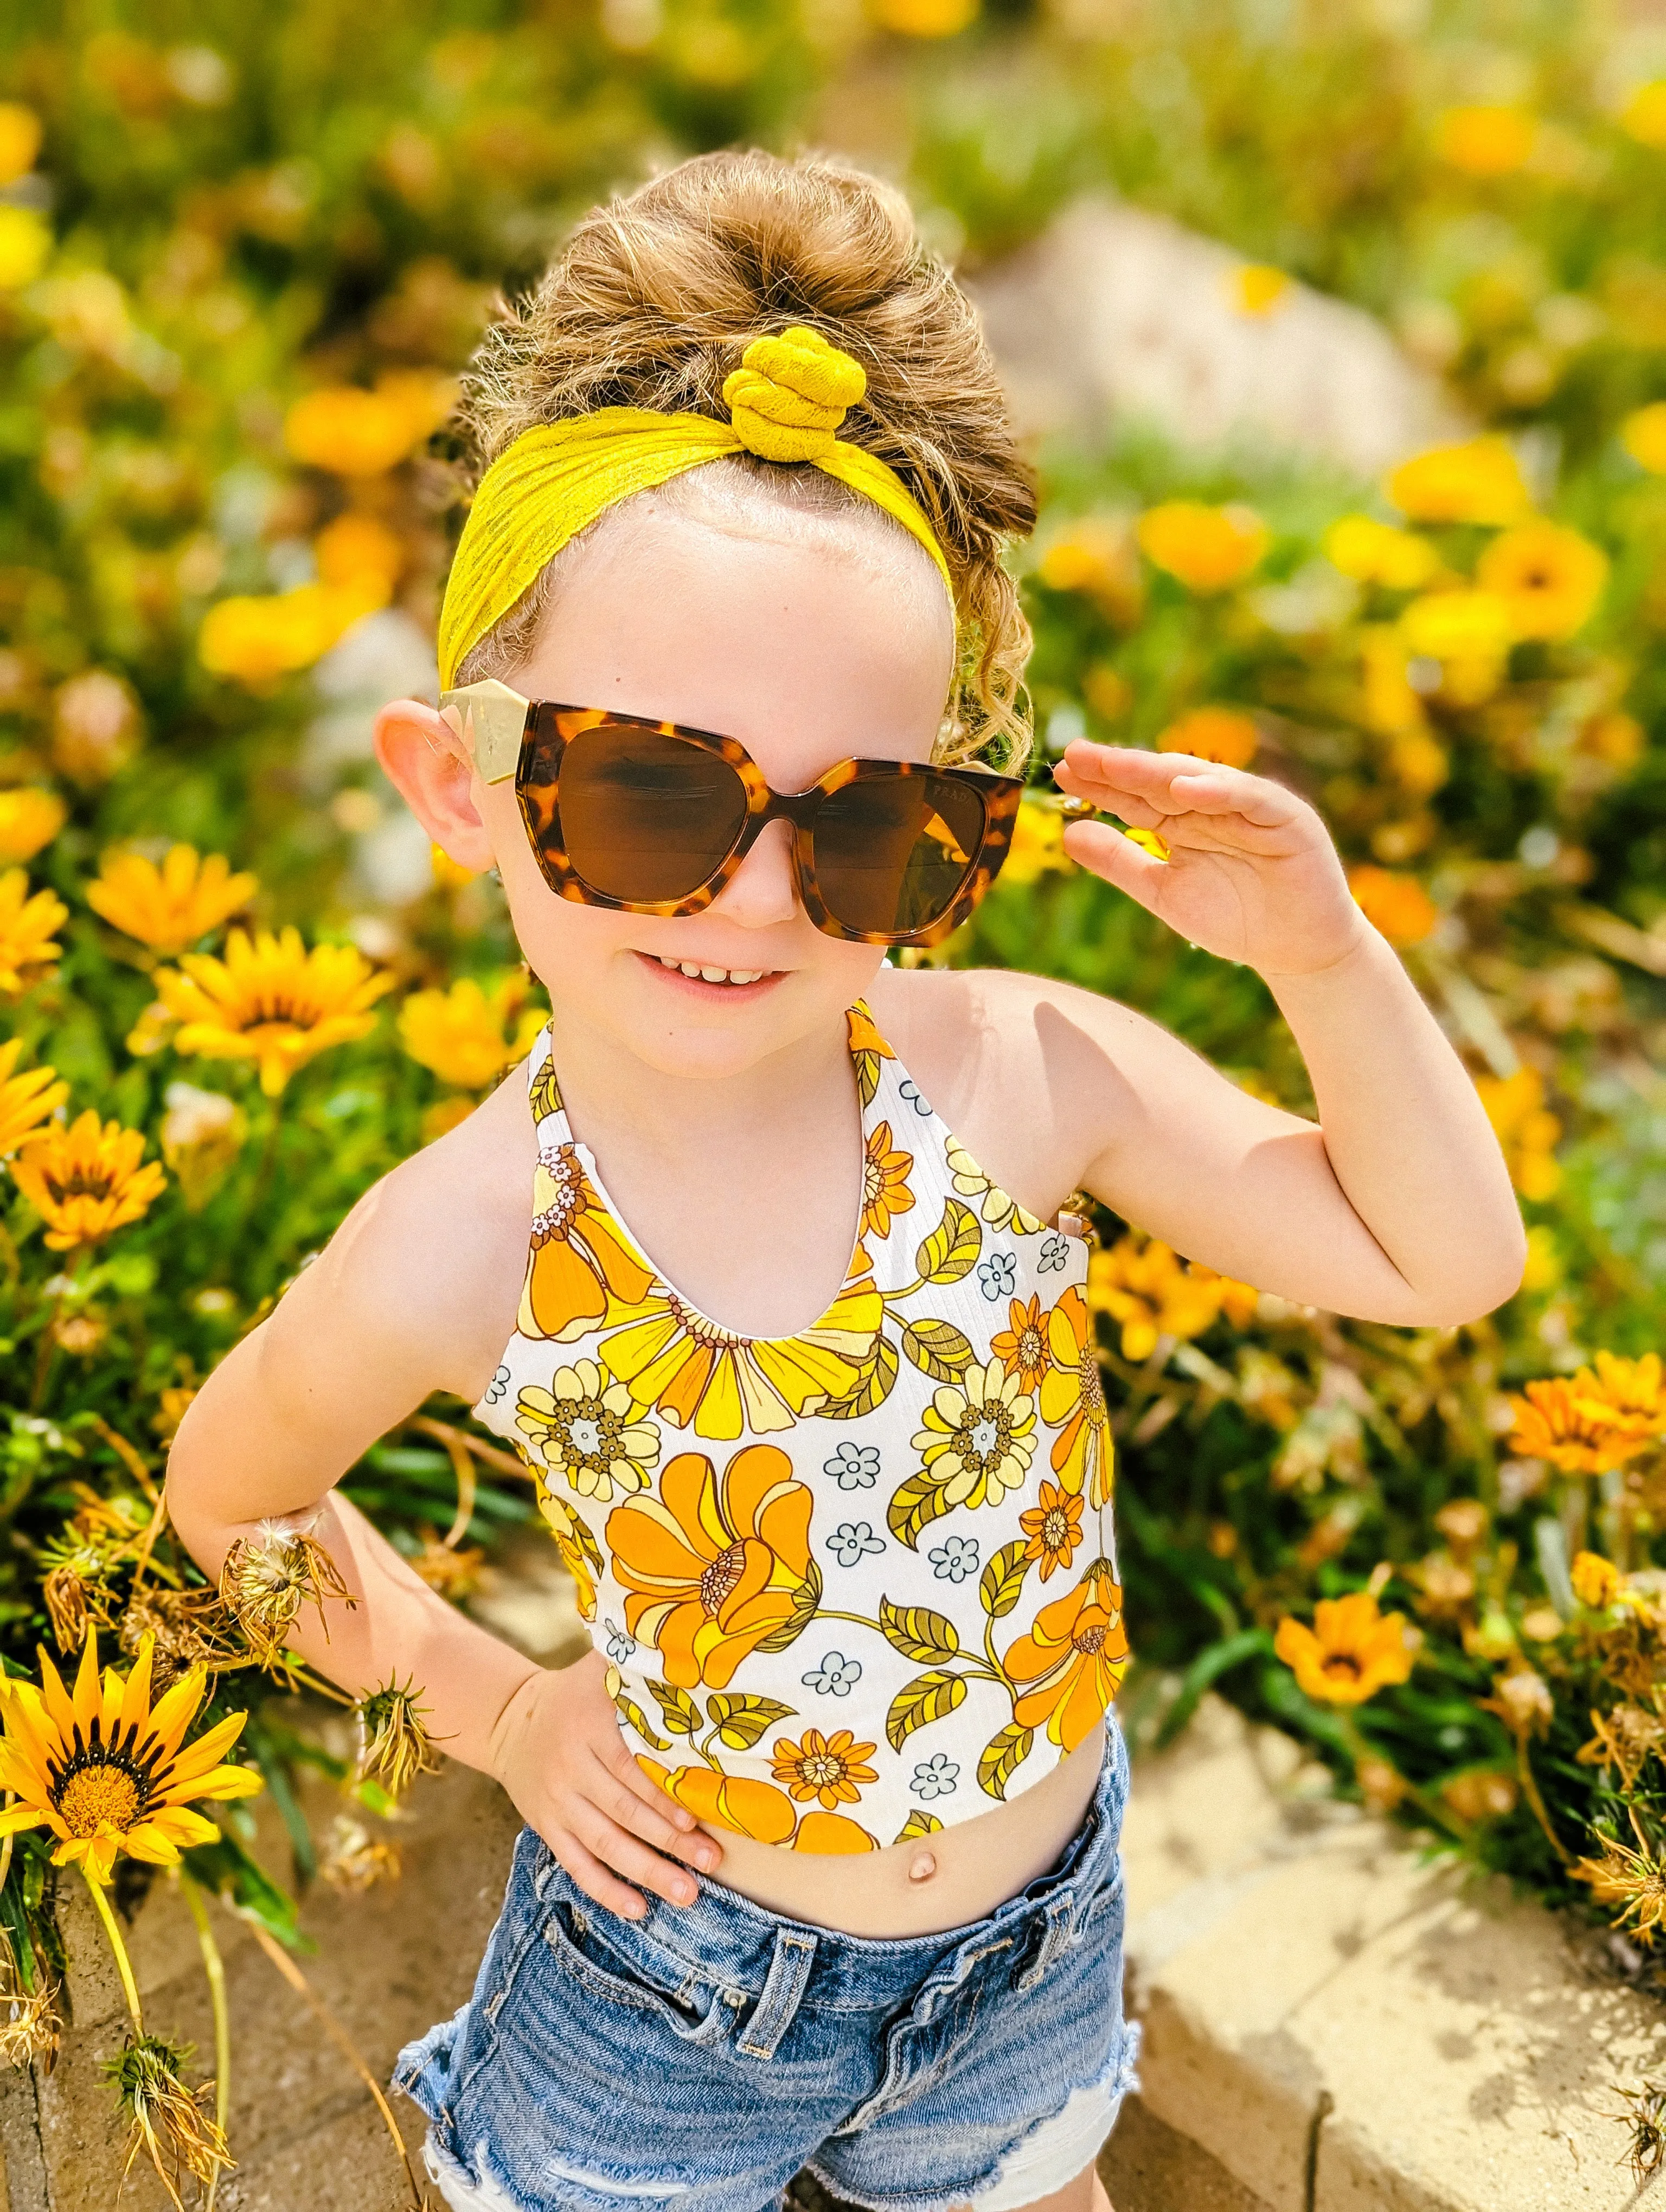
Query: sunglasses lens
point(648, 818)
point(893, 852)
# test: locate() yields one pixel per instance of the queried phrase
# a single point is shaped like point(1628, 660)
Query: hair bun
point(789, 395)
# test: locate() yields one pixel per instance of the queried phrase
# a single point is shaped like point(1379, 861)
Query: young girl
point(820, 1862)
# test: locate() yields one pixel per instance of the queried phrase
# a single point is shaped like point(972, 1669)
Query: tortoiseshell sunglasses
point(648, 818)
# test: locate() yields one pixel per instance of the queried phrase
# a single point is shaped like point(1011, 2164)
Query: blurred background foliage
point(242, 252)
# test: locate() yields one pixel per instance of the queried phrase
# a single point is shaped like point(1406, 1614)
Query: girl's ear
point(423, 758)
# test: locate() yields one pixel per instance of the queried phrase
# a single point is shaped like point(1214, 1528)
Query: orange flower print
point(829, 1769)
point(580, 1261)
point(867, 1050)
point(745, 1807)
point(1054, 1527)
point(1072, 1659)
point(825, 1832)
point(696, 1373)
point(580, 1553)
point(884, 1183)
point(714, 1566)
point(1022, 1349)
point(1072, 1401)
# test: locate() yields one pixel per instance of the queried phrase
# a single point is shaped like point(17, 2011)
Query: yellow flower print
point(715, 1566)
point(581, 1428)
point(1022, 1348)
point(979, 1436)
point(696, 1372)
point(1072, 1401)
point(829, 1769)
point(1054, 1527)
point(884, 1183)
point(579, 1262)
point(1072, 1659)
point(867, 1050)
point(580, 1553)
point(997, 1209)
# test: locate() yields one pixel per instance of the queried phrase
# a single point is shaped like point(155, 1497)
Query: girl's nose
point(763, 889)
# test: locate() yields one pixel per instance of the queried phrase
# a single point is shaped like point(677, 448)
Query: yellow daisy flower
point(1580, 1435)
point(1525, 1128)
point(29, 818)
point(271, 1000)
point(25, 1100)
point(1144, 1284)
point(471, 1033)
point(170, 906)
point(999, 1211)
point(85, 1181)
point(580, 1427)
point(1550, 578)
point(1479, 481)
point(1208, 549)
point(27, 950)
point(979, 1436)
point(106, 1771)
point(1350, 1652)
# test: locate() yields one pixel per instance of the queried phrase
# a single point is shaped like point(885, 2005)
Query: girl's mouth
point(708, 981)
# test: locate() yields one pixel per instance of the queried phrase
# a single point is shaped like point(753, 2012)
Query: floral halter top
point(854, 1583)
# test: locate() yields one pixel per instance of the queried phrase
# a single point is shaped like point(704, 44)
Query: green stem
point(214, 1968)
point(1530, 1791)
point(123, 1964)
point(309, 1680)
point(268, 1162)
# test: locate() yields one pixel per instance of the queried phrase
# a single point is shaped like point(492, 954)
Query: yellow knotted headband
point(785, 403)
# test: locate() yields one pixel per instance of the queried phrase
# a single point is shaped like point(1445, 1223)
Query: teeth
point(710, 975)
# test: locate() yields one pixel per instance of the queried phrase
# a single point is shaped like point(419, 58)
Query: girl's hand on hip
point(557, 1750)
point(1253, 877)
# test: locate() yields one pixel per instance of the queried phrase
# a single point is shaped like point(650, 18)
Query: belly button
point(922, 1867)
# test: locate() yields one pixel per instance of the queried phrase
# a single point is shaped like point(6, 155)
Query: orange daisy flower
point(714, 1565)
point(745, 1807)
point(1582, 1435)
point(1072, 1659)
point(1350, 1652)
point(1054, 1527)
point(829, 1769)
point(1072, 1401)
point(1022, 1348)
point(884, 1183)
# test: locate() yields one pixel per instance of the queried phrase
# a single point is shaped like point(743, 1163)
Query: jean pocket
point(694, 2009)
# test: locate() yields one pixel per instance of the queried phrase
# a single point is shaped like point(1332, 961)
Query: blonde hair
point(652, 304)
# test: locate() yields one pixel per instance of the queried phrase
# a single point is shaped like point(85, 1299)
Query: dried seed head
point(395, 1744)
point(30, 2023)
point(356, 1860)
point(1523, 1702)
point(191, 1628)
point(65, 1595)
point(1635, 1880)
point(266, 1580)
point(1645, 2115)
point(169, 2121)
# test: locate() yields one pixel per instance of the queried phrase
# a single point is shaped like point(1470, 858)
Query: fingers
point(594, 1877)
point(1169, 782)
point(1118, 859)
point(615, 1848)
point(632, 1802)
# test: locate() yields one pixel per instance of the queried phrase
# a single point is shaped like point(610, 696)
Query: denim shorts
point(704, 2055)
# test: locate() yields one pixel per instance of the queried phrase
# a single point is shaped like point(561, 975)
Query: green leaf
point(938, 1349)
point(1001, 1584)
point(1206, 1669)
point(226, 1868)
point(740, 1721)
point(872, 1387)
point(918, 1632)
point(952, 1249)
point(928, 1697)
point(677, 1709)
point(1001, 1757)
point(919, 1823)
point(914, 1505)
point(806, 1599)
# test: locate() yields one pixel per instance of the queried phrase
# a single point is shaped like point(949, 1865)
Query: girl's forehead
point(808, 645)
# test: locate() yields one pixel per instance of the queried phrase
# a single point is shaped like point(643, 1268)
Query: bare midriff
point(934, 1882)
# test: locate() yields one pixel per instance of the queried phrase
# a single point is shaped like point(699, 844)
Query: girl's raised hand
point(1253, 875)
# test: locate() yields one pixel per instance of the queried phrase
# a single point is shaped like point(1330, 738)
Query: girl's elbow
point(1485, 1289)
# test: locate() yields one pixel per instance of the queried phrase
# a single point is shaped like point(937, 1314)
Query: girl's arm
point(409, 1298)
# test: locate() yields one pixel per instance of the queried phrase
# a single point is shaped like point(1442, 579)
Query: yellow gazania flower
point(1643, 434)
point(581, 1428)
point(697, 1374)
point(29, 818)
point(1142, 1284)
point(1486, 141)
point(1351, 1651)
point(19, 140)
point(1373, 552)
point(1459, 626)
point(1072, 1658)
point(1477, 481)
point(85, 1181)
point(1212, 733)
point(25, 1100)
point(1208, 549)
point(1038, 846)
point(27, 949)
point(1095, 556)
point(1396, 904)
point(1644, 115)
point(272, 1001)
point(1072, 1401)
point(1022, 1347)
point(1054, 1527)
point(999, 1211)
point(354, 433)
point(258, 639)
point(170, 906)
point(979, 1436)
point(1555, 1420)
point(355, 550)
point(924, 19)
point(1595, 1580)
point(1257, 288)
point(714, 1565)
point(106, 1771)
point(1550, 578)
point(26, 244)
point(469, 1033)
point(884, 1183)
point(1525, 1129)
point(1631, 1392)
point(829, 1769)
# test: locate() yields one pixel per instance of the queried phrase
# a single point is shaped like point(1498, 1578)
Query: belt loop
point(1060, 1920)
point(789, 1971)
